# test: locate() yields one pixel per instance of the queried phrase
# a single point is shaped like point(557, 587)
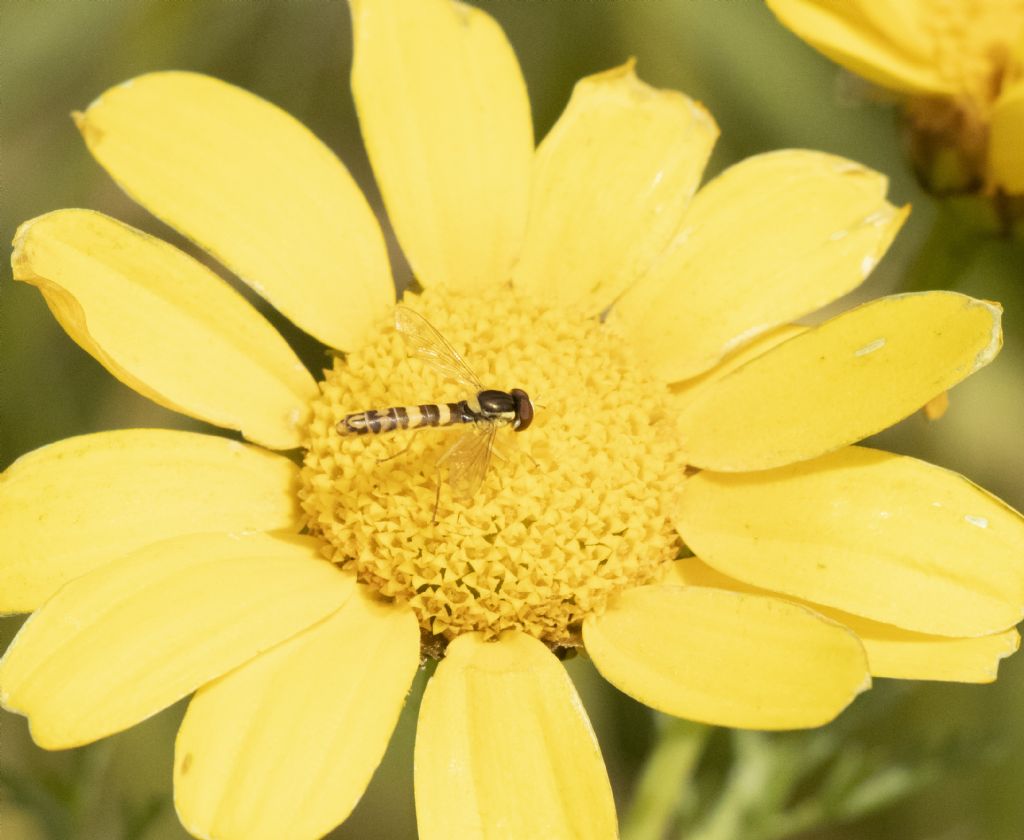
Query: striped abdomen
point(405, 417)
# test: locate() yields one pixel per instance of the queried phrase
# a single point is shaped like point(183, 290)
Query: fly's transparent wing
point(428, 344)
point(468, 458)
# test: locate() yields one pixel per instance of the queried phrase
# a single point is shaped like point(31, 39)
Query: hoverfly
point(483, 412)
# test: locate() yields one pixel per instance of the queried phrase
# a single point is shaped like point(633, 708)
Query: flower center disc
point(572, 510)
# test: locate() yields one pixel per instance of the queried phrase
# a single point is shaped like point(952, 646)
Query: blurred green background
point(964, 745)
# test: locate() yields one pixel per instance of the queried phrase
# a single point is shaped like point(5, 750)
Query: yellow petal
point(504, 748)
point(685, 392)
point(251, 185)
point(446, 122)
point(882, 536)
point(892, 651)
point(76, 504)
point(285, 745)
point(903, 654)
point(610, 185)
point(727, 658)
point(769, 240)
point(165, 325)
point(130, 638)
point(1006, 141)
point(842, 381)
point(888, 42)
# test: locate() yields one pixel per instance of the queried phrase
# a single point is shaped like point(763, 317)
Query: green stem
point(744, 788)
point(666, 788)
point(90, 783)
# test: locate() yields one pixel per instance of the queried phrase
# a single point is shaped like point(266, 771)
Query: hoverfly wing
point(468, 458)
point(431, 347)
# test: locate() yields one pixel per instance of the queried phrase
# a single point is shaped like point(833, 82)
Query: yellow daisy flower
point(676, 405)
point(960, 65)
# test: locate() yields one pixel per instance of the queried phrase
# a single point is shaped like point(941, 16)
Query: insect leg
point(401, 451)
point(495, 450)
point(437, 497)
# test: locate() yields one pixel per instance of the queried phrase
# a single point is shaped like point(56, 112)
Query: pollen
point(572, 510)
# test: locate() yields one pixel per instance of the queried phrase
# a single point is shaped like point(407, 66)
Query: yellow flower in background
point(297, 602)
point(958, 63)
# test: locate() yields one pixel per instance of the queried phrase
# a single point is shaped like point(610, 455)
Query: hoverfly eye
point(524, 409)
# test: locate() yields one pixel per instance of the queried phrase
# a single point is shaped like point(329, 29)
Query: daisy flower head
point(688, 506)
point(959, 66)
